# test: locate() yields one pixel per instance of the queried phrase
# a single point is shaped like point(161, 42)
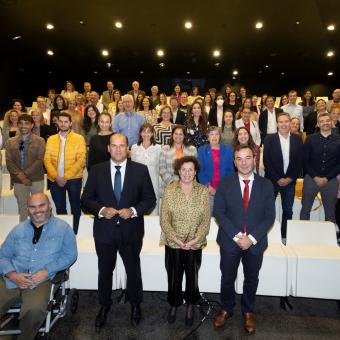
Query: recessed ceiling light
point(330, 54)
point(161, 65)
point(216, 53)
point(297, 22)
point(17, 37)
point(95, 72)
point(266, 66)
point(282, 73)
point(235, 72)
point(108, 65)
point(160, 53)
point(188, 72)
point(331, 27)
point(82, 22)
point(50, 52)
point(259, 25)
point(141, 71)
point(188, 25)
point(330, 73)
point(234, 77)
point(49, 26)
point(118, 24)
point(105, 53)
point(217, 64)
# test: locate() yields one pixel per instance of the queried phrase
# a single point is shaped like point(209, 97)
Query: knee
point(33, 311)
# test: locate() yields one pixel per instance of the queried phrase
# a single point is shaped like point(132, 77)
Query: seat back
point(85, 226)
point(274, 234)
point(7, 223)
point(313, 232)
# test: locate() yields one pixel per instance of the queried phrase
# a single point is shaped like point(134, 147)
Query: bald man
point(33, 252)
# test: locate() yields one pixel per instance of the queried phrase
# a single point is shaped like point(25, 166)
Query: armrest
point(60, 277)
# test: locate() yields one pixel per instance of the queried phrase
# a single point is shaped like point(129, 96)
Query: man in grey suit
point(107, 96)
point(245, 210)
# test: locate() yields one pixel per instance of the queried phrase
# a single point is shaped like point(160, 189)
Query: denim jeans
point(73, 188)
point(287, 194)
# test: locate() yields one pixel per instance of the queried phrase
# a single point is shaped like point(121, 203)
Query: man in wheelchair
point(33, 252)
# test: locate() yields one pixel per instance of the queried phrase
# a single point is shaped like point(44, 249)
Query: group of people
point(188, 164)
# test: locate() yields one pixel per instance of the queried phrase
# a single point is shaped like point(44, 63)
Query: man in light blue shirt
point(33, 252)
point(128, 122)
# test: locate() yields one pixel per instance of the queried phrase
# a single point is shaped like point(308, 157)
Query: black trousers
point(178, 262)
point(251, 267)
point(107, 256)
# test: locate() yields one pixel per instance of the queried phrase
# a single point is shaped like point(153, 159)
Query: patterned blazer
point(166, 163)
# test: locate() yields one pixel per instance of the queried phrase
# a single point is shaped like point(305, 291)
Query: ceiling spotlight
point(216, 53)
point(235, 72)
point(331, 27)
point(118, 24)
point(105, 53)
point(82, 22)
point(330, 54)
point(160, 53)
point(266, 66)
point(217, 64)
point(282, 73)
point(188, 72)
point(108, 65)
point(95, 72)
point(330, 73)
point(49, 26)
point(188, 25)
point(50, 52)
point(141, 71)
point(161, 65)
point(17, 37)
point(259, 25)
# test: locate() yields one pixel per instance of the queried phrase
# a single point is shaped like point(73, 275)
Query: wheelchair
point(62, 302)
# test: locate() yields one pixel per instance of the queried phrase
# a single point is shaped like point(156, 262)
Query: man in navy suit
point(118, 193)
point(245, 210)
point(282, 160)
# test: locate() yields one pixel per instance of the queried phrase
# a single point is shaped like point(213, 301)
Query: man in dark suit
point(245, 210)
point(135, 90)
point(282, 160)
point(178, 116)
point(268, 118)
point(118, 193)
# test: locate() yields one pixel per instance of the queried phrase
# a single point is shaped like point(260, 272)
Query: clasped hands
point(187, 245)
point(124, 213)
point(243, 241)
point(25, 280)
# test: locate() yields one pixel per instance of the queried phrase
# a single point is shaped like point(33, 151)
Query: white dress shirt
point(285, 146)
point(295, 111)
point(242, 185)
point(271, 126)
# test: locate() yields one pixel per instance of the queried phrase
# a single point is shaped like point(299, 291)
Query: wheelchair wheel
point(72, 301)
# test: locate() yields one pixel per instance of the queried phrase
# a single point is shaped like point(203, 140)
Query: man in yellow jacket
point(65, 161)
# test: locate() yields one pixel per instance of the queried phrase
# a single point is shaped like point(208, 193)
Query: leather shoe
point(172, 314)
point(189, 316)
point(221, 318)
point(249, 323)
point(101, 317)
point(136, 315)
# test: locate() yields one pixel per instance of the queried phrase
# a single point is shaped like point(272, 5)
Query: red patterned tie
point(245, 200)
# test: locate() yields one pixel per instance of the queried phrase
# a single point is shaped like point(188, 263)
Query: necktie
point(245, 199)
point(118, 183)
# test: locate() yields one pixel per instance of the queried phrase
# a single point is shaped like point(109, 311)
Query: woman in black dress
point(98, 151)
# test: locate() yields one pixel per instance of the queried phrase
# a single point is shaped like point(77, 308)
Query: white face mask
point(219, 102)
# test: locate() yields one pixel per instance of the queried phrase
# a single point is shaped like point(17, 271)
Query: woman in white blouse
point(249, 124)
point(147, 152)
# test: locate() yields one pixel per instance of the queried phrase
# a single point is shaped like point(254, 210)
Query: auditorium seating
point(316, 272)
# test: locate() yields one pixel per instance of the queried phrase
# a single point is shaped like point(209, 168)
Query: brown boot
point(249, 323)
point(221, 318)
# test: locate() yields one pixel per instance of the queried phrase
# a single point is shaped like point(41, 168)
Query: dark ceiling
point(297, 50)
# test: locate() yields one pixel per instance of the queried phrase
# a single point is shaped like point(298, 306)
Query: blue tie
point(118, 183)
